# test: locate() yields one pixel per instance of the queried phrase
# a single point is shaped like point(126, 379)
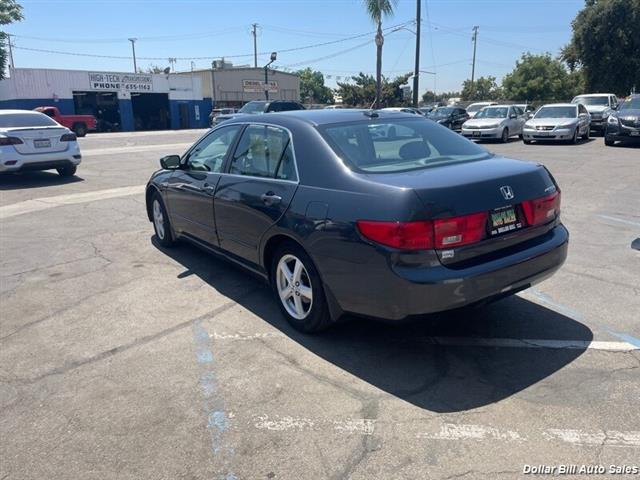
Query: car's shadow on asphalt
point(405, 360)
point(16, 181)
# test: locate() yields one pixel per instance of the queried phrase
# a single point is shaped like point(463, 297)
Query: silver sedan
point(495, 122)
point(559, 121)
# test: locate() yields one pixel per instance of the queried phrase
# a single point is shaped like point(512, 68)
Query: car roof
point(595, 95)
point(325, 116)
point(6, 112)
point(482, 103)
point(559, 105)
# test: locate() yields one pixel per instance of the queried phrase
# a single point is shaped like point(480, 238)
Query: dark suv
point(259, 106)
point(624, 123)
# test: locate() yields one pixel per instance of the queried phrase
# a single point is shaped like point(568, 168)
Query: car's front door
point(516, 120)
point(191, 188)
point(256, 189)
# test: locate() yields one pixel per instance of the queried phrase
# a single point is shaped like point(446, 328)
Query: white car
point(558, 121)
point(497, 122)
point(33, 141)
point(599, 106)
point(474, 108)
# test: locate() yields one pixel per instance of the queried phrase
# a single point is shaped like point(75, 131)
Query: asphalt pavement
point(122, 360)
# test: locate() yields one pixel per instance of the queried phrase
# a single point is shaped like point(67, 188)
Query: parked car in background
point(339, 221)
point(220, 111)
point(527, 108)
point(80, 124)
point(474, 108)
point(599, 106)
point(414, 111)
point(624, 124)
point(558, 121)
point(495, 122)
point(33, 141)
point(258, 107)
point(450, 117)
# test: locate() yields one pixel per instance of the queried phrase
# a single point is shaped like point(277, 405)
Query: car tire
point(298, 289)
point(68, 171)
point(608, 141)
point(575, 139)
point(586, 135)
point(527, 142)
point(504, 138)
point(161, 222)
point(80, 129)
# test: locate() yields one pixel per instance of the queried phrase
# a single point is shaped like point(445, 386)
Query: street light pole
point(416, 71)
point(473, 66)
point(133, 48)
point(255, 46)
point(274, 55)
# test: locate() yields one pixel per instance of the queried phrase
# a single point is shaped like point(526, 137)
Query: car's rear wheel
point(505, 136)
point(161, 224)
point(298, 289)
point(68, 171)
point(80, 129)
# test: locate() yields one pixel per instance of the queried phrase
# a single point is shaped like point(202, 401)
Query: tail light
point(458, 231)
point(402, 235)
point(542, 210)
point(68, 137)
point(10, 141)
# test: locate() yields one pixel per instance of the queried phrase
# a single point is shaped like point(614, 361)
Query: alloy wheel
point(294, 286)
point(158, 219)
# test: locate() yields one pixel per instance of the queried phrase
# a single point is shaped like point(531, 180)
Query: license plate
point(42, 143)
point(476, 134)
point(504, 220)
point(635, 134)
point(543, 134)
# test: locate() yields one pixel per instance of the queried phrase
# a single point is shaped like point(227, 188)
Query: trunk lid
point(38, 139)
point(478, 186)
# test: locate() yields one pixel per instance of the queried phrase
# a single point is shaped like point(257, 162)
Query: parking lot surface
point(121, 360)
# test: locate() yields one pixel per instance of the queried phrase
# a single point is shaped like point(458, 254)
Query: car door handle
point(270, 198)
point(209, 189)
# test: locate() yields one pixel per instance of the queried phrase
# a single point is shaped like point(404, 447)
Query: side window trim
point(231, 152)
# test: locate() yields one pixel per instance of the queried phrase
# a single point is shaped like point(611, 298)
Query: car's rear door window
point(264, 151)
point(399, 145)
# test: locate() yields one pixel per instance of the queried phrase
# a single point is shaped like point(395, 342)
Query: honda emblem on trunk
point(507, 192)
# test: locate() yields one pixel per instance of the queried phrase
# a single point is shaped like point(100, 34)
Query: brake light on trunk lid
point(10, 141)
point(68, 137)
point(458, 231)
point(542, 210)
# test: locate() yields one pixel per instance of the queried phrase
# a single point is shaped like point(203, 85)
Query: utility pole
point(416, 70)
point(11, 65)
point(133, 48)
point(473, 65)
point(255, 45)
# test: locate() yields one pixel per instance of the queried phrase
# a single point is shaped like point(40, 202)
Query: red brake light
point(458, 231)
point(10, 141)
point(403, 235)
point(542, 210)
point(68, 137)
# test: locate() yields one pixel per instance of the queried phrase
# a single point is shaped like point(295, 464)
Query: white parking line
point(45, 203)
point(620, 220)
point(471, 342)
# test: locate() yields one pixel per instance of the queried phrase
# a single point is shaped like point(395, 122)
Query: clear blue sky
point(221, 28)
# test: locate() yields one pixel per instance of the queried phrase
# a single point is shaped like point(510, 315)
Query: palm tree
point(376, 10)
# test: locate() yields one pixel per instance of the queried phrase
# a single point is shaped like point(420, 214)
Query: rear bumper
point(11, 161)
point(381, 290)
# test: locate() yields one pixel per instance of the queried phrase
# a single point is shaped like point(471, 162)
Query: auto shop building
point(120, 101)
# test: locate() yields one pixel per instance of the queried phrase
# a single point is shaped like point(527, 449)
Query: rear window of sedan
point(389, 146)
point(18, 120)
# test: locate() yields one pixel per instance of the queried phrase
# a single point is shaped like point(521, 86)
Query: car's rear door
point(190, 190)
point(256, 189)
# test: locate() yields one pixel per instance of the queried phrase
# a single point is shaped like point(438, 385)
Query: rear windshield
point(557, 112)
point(592, 100)
point(441, 112)
point(253, 107)
point(492, 112)
point(389, 146)
point(16, 120)
point(632, 103)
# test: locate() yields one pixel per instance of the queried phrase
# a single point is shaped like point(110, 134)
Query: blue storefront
point(120, 101)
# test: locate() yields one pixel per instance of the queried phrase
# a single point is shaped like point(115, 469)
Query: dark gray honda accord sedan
point(381, 214)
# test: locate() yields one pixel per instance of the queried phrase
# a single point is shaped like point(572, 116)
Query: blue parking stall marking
point(627, 338)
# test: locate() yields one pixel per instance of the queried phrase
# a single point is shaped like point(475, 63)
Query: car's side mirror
point(513, 115)
point(170, 162)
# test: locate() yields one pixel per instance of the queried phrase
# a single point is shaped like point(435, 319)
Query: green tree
point(376, 9)
point(362, 92)
point(152, 68)
point(540, 78)
point(483, 88)
point(605, 45)
point(430, 97)
point(10, 12)
point(312, 87)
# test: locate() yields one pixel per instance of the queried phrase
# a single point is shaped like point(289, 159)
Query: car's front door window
point(209, 154)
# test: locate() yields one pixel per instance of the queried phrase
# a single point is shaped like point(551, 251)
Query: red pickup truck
point(80, 124)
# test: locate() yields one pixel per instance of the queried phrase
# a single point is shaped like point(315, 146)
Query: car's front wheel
point(68, 171)
point(586, 134)
point(608, 141)
point(161, 224)
point(298, 289)
point(505, 136)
